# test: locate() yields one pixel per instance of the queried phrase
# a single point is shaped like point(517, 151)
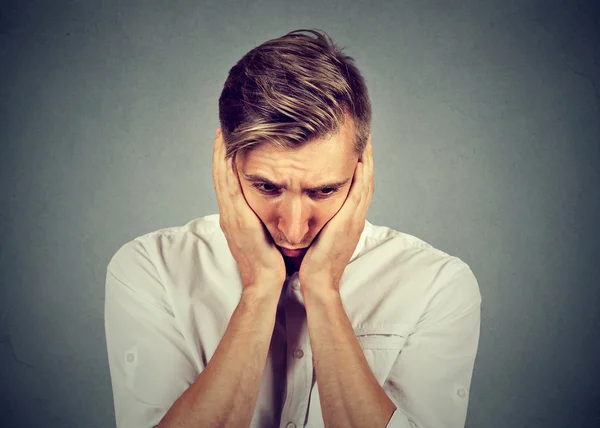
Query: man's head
point(295, 114)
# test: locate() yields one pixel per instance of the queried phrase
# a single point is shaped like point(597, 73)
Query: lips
point(292, 253)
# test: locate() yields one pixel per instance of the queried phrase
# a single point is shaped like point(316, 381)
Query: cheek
point(261, 206)
point(325, 210)
point(265, 209)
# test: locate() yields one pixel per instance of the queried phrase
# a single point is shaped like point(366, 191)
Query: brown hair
point(291, 90)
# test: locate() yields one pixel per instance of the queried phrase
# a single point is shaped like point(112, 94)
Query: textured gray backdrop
point(486, 138)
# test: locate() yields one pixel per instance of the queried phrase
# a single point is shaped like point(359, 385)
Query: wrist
point(262, 291)
point(322, 293)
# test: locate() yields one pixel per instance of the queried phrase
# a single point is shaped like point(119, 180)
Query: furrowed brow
point(254, 178)
point(259, 179)
point(336, 185)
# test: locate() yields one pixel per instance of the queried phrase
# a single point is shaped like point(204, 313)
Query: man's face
point(296, 192)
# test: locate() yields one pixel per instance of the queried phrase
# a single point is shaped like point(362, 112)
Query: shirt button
point(130, 357)
point(290, 425)
point(461, 393)
point(298, 353)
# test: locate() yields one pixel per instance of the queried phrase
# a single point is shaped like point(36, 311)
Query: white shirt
point(170, 294)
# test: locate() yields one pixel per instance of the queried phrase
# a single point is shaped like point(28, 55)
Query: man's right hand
point(225, 392)
point(258, 259)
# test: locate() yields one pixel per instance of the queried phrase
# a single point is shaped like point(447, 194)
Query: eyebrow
point(254, 178)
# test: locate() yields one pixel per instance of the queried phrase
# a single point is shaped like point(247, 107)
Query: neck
point(292, 264)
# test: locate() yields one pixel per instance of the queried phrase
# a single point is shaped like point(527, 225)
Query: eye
point(324, 193)
point(266, 188)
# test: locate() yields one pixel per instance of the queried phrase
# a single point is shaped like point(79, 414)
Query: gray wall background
point(486, 134)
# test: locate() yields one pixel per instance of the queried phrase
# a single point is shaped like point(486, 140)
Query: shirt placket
point(299, 373)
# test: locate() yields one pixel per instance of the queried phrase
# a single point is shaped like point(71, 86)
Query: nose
point(293, 221)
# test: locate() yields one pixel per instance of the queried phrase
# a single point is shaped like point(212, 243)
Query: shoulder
point(402, 247)
point(414, 261)
point(376, 235)
point(146, 261)
point(200, 229)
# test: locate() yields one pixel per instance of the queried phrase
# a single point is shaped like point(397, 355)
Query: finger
point(220, 177)
point(233, 183)
point(369, 170)
point(360, 184)
point(230, 188)
point(217, 143)
point(370, 149)
point(216, 146)
point(351, 204)
point(236, 194)
point(217, 167)
point(367, 179)
point(361, 189)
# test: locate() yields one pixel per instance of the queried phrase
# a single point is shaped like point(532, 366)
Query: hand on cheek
point(328, 256)
point(259, 261)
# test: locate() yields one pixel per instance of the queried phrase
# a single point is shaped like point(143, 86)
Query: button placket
point(299, 368)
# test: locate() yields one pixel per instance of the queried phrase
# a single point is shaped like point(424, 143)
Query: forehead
point(318, 159)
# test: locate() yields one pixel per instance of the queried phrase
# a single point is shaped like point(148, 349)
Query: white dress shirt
point(170, 294)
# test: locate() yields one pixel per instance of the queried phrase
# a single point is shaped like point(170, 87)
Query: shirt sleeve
point(148, 361)
point(430, 379)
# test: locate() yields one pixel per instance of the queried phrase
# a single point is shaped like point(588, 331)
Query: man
point(289, 308)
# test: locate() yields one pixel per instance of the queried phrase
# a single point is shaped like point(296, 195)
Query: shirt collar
point(361, 241)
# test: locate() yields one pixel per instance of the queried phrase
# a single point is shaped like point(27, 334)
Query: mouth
point(293, 253)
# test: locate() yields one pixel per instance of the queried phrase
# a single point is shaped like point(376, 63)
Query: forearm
point(225, 393)
point(349, 392)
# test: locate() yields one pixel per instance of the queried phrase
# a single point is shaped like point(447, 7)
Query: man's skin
point(327, 226)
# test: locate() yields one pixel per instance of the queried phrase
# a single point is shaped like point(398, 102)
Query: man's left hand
point(326, 259)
